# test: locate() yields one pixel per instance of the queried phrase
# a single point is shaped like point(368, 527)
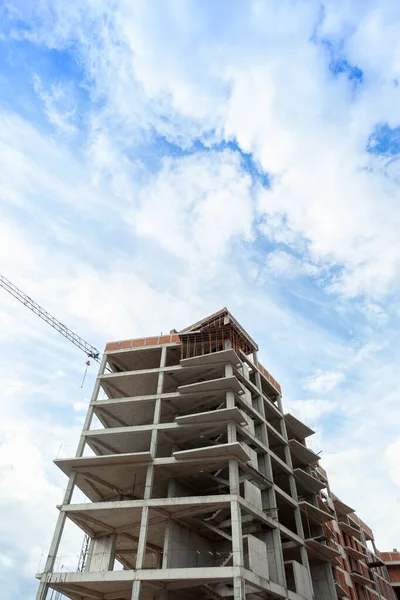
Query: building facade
point(199, 486)
point(392, 564)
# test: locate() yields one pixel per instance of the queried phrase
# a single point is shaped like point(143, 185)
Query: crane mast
point(79, 342)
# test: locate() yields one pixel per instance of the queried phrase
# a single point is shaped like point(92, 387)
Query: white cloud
point(59, 374)
point(59, 105)
point(322, 382)
point(310, 410)
point(30, 485)
point(375, 500)
point(80, 406)
point(392, 455)
point(37, 173)
point(196, 206)
point(6, 561)
point(283, 264)
point(332, 194)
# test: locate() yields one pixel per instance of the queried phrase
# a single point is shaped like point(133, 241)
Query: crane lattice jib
point(12, 289)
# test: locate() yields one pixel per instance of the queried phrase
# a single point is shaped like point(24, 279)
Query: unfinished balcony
point(314, 514)
point(342, 509)
point(222, 415)
point(301, 455)
point(306, 483)
point(350, 530)
point(214, 385)
point(228, 356)
point(322, 550)
point(296, 428)
point(361, 578)
point(354, 553)
point(232, 450)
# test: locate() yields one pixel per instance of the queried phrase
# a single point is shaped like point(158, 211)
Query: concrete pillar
point(168, 528)
point(276, 565)
point(236, 517)
point(293, 492)
point(101, 553)
point(144, 522)
point(58, 531)
point(272, 539)
point(322, 581)
point(238, 589)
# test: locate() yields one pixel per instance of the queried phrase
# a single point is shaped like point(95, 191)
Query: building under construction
point(199, 486)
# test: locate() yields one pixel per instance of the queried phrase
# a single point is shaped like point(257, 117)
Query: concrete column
point(237, 542)
point(272, 539)
point(293, 492)
point(276, 567)
point(58, 531)
point(322, 582)
point(144, 522)
point(236, 517)
point(168, 528)
point(238, 589)
point(101, 553)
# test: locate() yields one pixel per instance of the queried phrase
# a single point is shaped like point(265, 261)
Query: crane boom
point(12, 289)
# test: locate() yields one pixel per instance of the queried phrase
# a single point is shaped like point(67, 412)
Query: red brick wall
point(394, 573)
point(389, 556)
point(137, 343)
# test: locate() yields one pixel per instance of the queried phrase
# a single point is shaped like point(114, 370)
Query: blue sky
point(161, 160)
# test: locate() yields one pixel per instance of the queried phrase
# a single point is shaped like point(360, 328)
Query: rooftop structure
point(199, 486)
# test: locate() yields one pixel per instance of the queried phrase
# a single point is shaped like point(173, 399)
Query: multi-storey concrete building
point(200, 486)
point(392, 563)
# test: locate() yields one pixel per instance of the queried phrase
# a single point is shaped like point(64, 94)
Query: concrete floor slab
point(212, 416)
point(223, 383)
point(301, 455)
point(307, 482)
point(316, 515)
point(212, 358)
point(234, 449)
point(300, 430)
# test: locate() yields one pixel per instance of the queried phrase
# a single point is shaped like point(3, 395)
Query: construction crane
point(80, 343)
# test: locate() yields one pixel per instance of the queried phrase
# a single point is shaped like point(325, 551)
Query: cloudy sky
point(161, 160)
